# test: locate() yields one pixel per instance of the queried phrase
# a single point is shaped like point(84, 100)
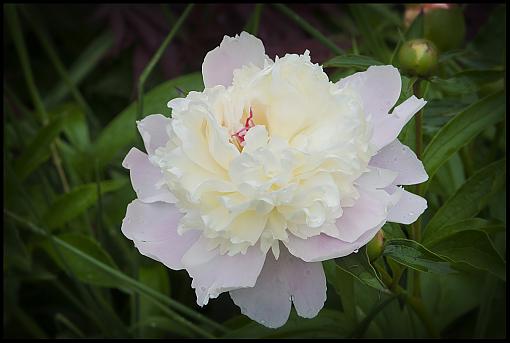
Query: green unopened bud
point(418, 57)
point(375, 246)
point(445, 27)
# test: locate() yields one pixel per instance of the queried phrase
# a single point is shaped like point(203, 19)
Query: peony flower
point(269, 171)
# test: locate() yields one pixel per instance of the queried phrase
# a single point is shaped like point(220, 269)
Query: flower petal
point(369, 211)
point(153, 228)
point(401, 159)
point(145, 178)
point(233, 53)
point(281, 282)
point(214, 274)
point(379, 87)
point(153, 130)
point(387, 128)
point(323, 247)
point(377, 178)
point(409, 207)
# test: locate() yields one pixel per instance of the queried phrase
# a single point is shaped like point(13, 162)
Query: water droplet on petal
point(411, 213)
point(202, 289)
point(356, 251)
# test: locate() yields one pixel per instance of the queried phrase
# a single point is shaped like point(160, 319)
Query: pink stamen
point(243, 131)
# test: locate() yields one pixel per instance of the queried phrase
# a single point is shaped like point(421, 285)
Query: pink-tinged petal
point(368, 212)
point(408, 208)
point(233, 53)
point(145, 178)
point(281, 282)
point(153, 228)
point(377, 178)
point(323, 247)
point(153, 130)
point(379, 87)
point(401, 159)
point(214, 274)
point(387, 128)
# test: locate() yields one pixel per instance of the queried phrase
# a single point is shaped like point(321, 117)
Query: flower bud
point(375, 246)
point(418, 57)
point(445, 27)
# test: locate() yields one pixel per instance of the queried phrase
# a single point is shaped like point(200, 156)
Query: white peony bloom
point(269, 171)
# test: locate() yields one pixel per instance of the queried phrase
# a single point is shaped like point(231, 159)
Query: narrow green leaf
point(83, 270)
point(470, 198)
point(416, 30)
point(38, 150)
point(359, 267)
point(474, 248)
point(84, 64)
point(480, 224)
point(343, 283)
point(75, 127)
point(115, 138)
point(373, 41)
point(415, 256)
point(461, 129)
point(352, 61)
point(74, 203)
point(159, 325)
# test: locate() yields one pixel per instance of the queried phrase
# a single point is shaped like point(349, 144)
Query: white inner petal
point(291, 171)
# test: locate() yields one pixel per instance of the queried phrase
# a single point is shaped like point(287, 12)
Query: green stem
point(157, 56)
point(309, 28)
point(415, 303)
point(147, 291)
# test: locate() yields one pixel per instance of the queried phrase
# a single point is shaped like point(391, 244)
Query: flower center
point(239, 134)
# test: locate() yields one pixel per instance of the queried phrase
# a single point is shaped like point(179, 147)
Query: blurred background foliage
point(70, 85)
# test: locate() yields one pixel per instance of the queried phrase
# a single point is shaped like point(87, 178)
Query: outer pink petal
point(368, 212)
point(153, 131)
point(379, 87)
point(153, 228)
point(214, 274)
point(145, 177)
point(233, 53)
point(409, 207)
point(377, 178)
point(281, 282)
point(400, 158)
point(323, 247)
point(387, 128)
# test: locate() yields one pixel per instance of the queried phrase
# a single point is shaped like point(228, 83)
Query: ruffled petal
point(153, 130)
point(233, 53)
point(379, 87)
point(408, 208)
point(401, 159)
point(387, 128)
point(280, 283)
point(214, 274)
point(145, 178)
point(323, 247)
point(153, 228)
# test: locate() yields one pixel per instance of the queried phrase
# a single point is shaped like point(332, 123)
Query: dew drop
point(262, 322)
point(356, 251)
point(202, 289)
point(411, 213)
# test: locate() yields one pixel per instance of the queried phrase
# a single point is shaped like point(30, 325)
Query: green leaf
point(415, 256)
point(480, 224)
point(154, 276)
point(38, 150)
point(157, 326)
point(76, 127)
point(359, 267)
point(74, 203)
point(121, 131)
point(373, 41)
point(416, 30)
point(461, 129)
point(470, 198)
point(327, 324)
point(343, 283)
point(352, 61)
point(80, 268)
point(392, 231)
point(472, 247)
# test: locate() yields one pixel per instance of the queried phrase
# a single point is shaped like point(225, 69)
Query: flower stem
point(414, 302)
point(309, 28)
